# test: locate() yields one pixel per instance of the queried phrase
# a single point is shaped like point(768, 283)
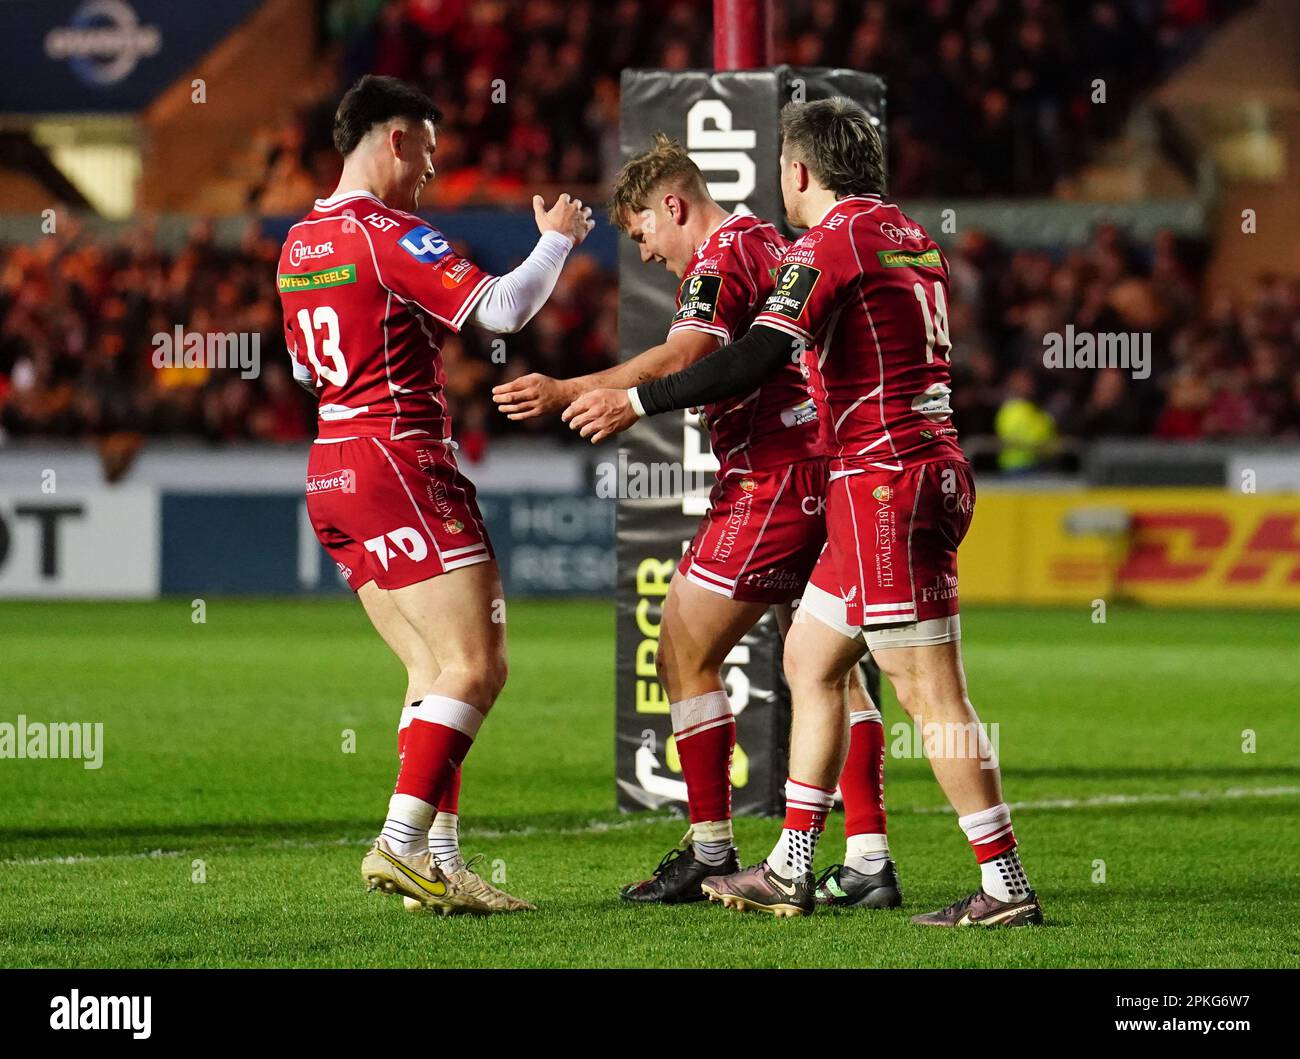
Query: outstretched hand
point(568, 217)
point(533, 395)
point(599, 414)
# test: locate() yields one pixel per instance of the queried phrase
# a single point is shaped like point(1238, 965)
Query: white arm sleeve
point(302, 376)
point(510, 301)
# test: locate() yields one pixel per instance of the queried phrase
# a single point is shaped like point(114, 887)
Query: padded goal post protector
point(729, 123)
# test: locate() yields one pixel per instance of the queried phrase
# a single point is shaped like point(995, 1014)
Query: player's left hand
point(599, 414)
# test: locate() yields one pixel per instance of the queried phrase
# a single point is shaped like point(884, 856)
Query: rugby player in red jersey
point(868, 287)
point(370, 292)
point(761, 536)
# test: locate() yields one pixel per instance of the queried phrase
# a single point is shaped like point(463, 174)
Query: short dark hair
point(838, 142)
point(374, 100)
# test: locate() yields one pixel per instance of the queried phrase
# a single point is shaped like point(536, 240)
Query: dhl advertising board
point(1161, 547)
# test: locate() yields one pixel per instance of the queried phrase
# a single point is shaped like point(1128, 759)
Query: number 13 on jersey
point(325, 320)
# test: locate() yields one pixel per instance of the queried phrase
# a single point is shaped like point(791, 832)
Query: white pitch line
point(596, 827)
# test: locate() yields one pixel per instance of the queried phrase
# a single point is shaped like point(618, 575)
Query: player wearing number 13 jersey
point(868, 287)
point(370, 292)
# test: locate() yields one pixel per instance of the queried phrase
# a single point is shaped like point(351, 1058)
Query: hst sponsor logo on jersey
point(342, 481)
point(457, 274)
point(300, 252)
point(425, 244)
point(326, 277)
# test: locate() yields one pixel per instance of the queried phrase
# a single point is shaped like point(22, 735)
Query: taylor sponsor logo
point(425, 244)
point(77, 1012)
point(57, 740)
point(897, 234)
point(213, 350)
point(104, 42)
point(344, 481)
point(1128, 351)
point(326, 277)
point(346, 571)
point(709, 264)
point(453, 525)
point(300, 251)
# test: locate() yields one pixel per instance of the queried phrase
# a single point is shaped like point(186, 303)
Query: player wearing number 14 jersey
point(763, 531)
point(867, 287)
point(370, 292)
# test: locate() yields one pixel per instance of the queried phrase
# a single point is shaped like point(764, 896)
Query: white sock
point(793, 853)
point(1004, 878)
point(407, 826)
point(866, 854)
point(444, 842)
point(712, 841)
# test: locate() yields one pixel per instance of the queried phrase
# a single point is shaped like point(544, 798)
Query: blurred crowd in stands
point(78, 318)
point(986, 97)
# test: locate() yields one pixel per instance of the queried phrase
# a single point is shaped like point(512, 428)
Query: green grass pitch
point(1122, 745)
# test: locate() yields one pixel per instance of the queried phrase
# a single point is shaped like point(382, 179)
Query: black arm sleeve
point(728, 371)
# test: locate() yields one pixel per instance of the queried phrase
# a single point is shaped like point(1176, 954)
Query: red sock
point(436, 742)
point(706, 766)
point(806, 806)
point(450, 800)
point(704, 729)
point(863, 780)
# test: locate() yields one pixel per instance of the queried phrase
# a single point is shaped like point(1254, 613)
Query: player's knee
point(803, 670)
